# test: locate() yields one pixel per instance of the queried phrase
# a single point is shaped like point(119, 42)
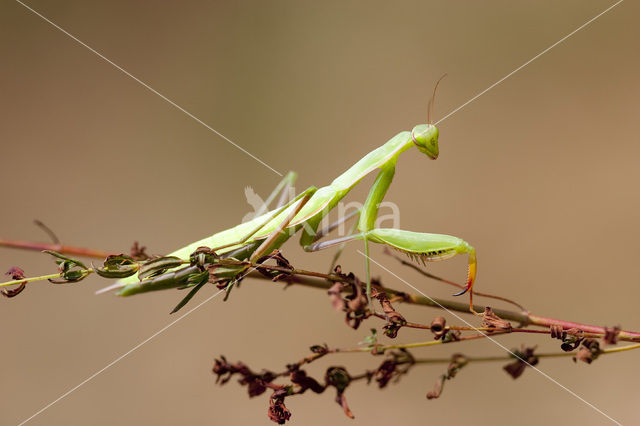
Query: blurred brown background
point(540, 174)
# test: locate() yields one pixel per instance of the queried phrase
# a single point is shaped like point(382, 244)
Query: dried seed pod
point(611, 335)
point(557, 332)
point(438, 324)
point(16, 274)
point(117, 266)
point(589, 351)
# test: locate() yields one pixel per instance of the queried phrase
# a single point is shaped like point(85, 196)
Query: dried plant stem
point(30, 279)
point(509, 358)
point(523, 318)
point(39, 278)
point(60, 248)
point(492, 330)
point(382, 348)
point(324, 281)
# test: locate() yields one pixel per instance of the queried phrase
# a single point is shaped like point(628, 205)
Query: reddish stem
point(60, 248)
point(548, 322)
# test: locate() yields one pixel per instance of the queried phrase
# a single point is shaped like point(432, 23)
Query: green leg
point(326, 230)
point(330, 243)
point(368, 275)
point(429, 248)
point(338, 253)
point(370, 214)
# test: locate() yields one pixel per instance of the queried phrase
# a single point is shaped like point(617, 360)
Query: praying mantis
point(269, 231)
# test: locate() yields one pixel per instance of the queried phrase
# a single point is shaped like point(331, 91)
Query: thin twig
point(510, 358)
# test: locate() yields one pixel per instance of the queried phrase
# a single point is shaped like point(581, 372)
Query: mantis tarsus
point(267, 232)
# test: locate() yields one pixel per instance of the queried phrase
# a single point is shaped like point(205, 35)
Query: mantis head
point(425, 136)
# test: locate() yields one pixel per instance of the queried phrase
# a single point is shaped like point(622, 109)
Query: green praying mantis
point(269, 231)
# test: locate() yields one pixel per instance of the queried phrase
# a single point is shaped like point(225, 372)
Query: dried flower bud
point(457, 362)
point(354, 304)
point(342, 400)
point(611, 335)
point(71, 270)
point(491, 320)
point(557, 331)
point(278, 412)
point(385, 372)
point(300, 378)
point(438, 327)
point(256, 383)
point(524, 358)
point(138, 252)
point(451, 336)
point(282, 263)
point(337, 377)
point(16, 274)
point(438, 324)
point(391, 330)
point(437, 388)
point(117, 266)
point(319, 349)
point(571, 338)
point(589, 351)
point(393, 317)
point(335, 297)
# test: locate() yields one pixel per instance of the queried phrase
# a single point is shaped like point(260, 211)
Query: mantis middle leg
point(369, 214)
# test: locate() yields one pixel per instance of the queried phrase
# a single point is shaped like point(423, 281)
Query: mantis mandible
point(269, 231)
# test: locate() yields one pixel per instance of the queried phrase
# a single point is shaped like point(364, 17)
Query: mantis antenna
point(432, 100)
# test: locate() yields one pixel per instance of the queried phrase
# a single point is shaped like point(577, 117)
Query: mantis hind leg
point(338, 253)
point(329, 228)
